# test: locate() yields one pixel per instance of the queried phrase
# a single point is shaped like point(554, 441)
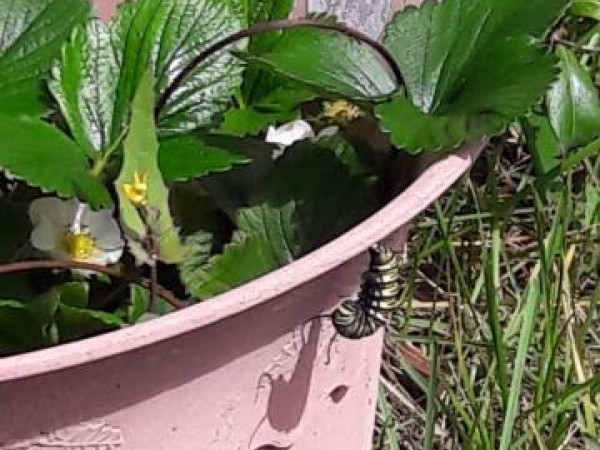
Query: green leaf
point(586, 8)
point(83, 83)
point(168, 34)
point(243, 122)
point(414, 130)
point(245, 259)
point(32, 33)
point(138, 304)
point(268, 103)
point(573, 104)
point(44, 157)
point(442, 47)
point(324, 195)
point(592, 208)
point(542, 143)
point(74, 294)
point(265, 10)
point(285, 96)
point(195, 155)
point(199, 246)
point(77, 323)
point(136, 31)
point(308, 198)
point(232, 190)
point(139, 309)
point(276, 225)
point(152, 221)
point(356, 156)
point(470, 67)
point(329, 62)
point(534, 18)
point(258, 82)
point(24, 326)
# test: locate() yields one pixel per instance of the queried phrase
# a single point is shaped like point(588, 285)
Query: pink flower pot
point(248, 369)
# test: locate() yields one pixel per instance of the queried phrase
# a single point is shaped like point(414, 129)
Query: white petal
point(105, 229)
point(105, 257)
point(328, 132)
point(54, 210)
point(46, 235)
point(50, 216)
point(289, 133)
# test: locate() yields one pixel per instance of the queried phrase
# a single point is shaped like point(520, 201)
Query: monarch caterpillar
point(378, 295)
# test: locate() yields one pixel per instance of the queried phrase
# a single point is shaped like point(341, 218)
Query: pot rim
point(430, 185)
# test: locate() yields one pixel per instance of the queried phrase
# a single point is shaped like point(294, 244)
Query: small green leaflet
point(194, 155)
point(541, 143)
point(280, 103)
point(586, 8)
point(573, 104)
point(140, 155)
point(32, 35)
point(250, 122)
point(243, 260)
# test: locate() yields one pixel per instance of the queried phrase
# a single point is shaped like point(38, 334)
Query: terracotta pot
point(245, 370)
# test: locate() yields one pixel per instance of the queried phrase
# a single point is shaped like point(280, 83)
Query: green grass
point(502, 302)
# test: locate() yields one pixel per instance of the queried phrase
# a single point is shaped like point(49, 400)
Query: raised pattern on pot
point(85, 436)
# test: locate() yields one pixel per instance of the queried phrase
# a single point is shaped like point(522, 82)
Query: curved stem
point(66, 264)
point(278, 25)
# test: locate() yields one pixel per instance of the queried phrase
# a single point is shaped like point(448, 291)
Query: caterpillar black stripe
point(378, 296)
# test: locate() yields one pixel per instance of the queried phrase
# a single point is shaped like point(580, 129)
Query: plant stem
point(67, 264)
point(101, 163)
point(277, 25)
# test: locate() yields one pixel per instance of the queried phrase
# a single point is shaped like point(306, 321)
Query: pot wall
point(250, 369)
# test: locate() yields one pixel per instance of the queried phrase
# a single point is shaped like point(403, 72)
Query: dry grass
point(499, 344)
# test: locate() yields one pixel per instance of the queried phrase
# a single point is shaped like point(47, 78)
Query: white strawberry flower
point(69, 229)
point(289, 133)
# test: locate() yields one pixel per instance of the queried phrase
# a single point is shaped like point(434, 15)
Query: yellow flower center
point(79, 246)
point(341, 111)
point(137, 191)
